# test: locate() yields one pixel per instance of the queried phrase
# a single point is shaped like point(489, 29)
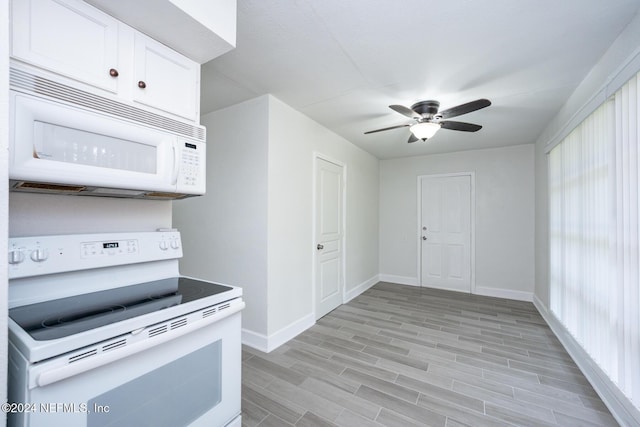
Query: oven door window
point(190, 380)
point(175, 394)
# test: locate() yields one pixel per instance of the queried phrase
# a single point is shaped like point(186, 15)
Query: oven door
point(192, 380)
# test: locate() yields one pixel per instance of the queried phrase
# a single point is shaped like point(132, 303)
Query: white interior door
point(329, 232)
point(446, 232)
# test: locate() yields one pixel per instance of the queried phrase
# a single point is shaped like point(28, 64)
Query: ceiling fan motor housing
point(426, 109)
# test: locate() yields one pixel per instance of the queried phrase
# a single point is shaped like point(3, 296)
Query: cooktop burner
point(67, 316)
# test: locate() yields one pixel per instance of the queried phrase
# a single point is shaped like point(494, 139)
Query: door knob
point(424, 237)
point(320, 246)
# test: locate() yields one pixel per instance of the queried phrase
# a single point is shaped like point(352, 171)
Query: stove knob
point(163, 245)
point(39, 255)
point(16, 257)
point(175, 244)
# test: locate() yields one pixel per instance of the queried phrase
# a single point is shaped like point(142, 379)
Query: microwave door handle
point(176, 164)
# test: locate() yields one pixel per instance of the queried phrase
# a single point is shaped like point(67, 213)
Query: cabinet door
point(165, 79)
point(68, 37)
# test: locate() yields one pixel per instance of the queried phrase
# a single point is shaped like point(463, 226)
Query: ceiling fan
point(429, 120)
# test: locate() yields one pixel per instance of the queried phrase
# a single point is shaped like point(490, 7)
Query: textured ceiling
point(342, 62)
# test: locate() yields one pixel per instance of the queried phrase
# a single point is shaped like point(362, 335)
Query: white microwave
point(64, 148)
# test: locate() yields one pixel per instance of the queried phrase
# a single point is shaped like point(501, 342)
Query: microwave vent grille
point(40, 186)
point(33, 84)
point(165, 196)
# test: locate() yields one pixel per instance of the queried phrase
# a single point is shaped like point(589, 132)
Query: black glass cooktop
point(67, 316)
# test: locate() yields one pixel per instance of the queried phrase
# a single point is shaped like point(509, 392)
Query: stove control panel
point(38, 255)
point(109, 248)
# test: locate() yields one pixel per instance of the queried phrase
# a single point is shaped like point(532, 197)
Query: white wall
point(40, 214)
point(254, 226)
point(224, 232)
point(294, 138)
point(504, 246)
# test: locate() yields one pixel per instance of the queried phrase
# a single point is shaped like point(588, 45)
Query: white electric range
point(103, 331)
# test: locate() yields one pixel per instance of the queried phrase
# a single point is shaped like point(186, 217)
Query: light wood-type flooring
point(407, 356)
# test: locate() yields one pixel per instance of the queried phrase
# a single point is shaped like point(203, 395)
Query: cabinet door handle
point(142, 84)
point(113, 72)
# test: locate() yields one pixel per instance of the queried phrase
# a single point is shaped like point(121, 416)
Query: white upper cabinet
point(164, 78)
point(74, 39)
point(199, 29)
point(69, 38)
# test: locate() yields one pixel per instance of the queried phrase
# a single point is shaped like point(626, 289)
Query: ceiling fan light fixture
point(424, 130)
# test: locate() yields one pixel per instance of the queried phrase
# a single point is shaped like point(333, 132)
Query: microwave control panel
point(192, 174)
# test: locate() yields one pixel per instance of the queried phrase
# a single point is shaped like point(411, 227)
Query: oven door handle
point(59, 373)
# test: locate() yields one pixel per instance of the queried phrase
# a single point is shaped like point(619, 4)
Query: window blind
point(625, 366)
point(594, 234)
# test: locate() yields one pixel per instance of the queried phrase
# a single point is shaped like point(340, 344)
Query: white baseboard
point(504, 293)
point(255, 340)
point(401, 280)
point(489, 292)
point(269, 343)
point(352, 293)
point(621, 407)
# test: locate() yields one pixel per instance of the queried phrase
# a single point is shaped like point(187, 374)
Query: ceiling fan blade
point(463, 108)
point(405, 111)
point(465, 127)
point(412, 138)
point(389, 128)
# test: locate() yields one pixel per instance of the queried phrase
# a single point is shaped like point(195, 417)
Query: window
point(594, 234)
